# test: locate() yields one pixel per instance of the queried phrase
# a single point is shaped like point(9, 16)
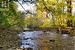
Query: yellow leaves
point(46, 23)
point(61, 21)
point(45, 0)
point(50, 3)
point(39, 14)
point(54, 7)
point(50, 0)
point(40, 6)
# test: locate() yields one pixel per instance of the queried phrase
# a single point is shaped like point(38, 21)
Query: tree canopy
point(49, 13)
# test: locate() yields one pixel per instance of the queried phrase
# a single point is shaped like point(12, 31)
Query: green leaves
point(9, 18)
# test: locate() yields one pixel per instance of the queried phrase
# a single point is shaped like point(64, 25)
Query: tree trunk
point(69, 7)
point(69, 12)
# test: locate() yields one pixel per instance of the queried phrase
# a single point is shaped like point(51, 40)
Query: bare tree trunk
point(69, 7)
point(69, 12)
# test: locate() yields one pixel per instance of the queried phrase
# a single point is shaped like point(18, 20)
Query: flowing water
point(39, 40)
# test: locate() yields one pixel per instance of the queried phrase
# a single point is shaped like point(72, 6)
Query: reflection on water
point(39, 40)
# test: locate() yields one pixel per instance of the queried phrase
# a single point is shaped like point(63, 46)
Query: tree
point(9, 22)
point(9, 18)
point(54, 7)
point(69, 11)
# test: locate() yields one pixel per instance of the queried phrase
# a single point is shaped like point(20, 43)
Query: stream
point(49, 40)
